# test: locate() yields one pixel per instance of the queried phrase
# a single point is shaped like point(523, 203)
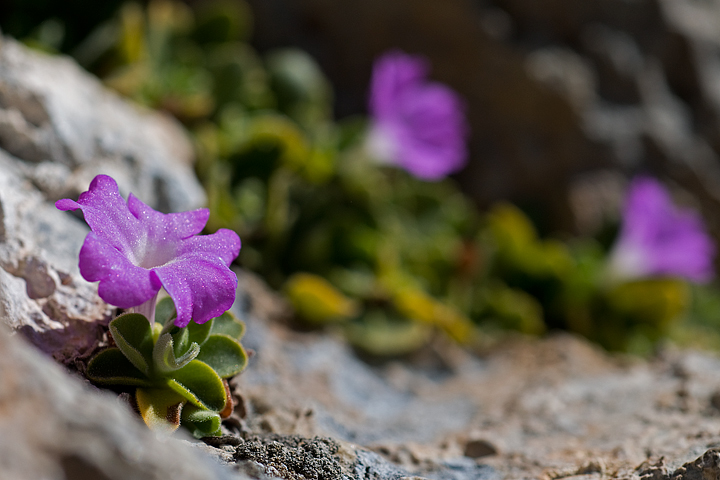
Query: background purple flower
point(134, 250)
point(657, 238)
point(417, 125)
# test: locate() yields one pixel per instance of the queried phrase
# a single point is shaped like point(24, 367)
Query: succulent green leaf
point(317, 301)
point(156, 331)
point(228, 324)
point(181, 341)
point(200, 385)
point(169, 328)
point(164, 358)
point(199, 333)
point(133, 336)
point(111, 367)
point(165, 311)
point(224, 355)
point(200, 422)
point(160, 408)
point(384, 336)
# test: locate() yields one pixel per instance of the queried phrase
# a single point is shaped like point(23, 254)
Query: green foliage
point(133, 336)
point(174, 369)
point(542, 284)
point(312, 209)
point(317, 300)
point(382, 336)
point(360, 247)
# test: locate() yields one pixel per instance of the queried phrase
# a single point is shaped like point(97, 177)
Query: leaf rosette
point(179, 373)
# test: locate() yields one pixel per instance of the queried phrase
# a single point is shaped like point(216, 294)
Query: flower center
point(150, 254)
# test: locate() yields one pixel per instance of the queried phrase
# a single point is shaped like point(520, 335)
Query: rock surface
point(65, 127)
point(555, 408)
point(55, 428)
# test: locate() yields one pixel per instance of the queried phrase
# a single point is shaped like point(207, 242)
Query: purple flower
point(134, 250)
point(658, 239)
point(417, 125)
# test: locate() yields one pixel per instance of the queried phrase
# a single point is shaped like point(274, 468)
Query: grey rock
point(705, 466)
point(41, 291)
point(55, 427)
point(66, 128)
point(554, 408)
point(370, 465)
point(299, 387)
point(293, 457)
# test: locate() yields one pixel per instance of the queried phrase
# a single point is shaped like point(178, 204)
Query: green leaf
point(164, 358)
point(516, 309)
point(181, 341)
point(224, 355)
point(165, 311)
point(199, 333)
point(160, 408)
point(200, 385)
point(200, 422)
point(317, 301)
point(156, 331)
point(111, 367)
point(384, 336)
point(228, 324)
point(133, 336)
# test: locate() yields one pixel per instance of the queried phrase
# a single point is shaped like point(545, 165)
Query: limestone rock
point(54, 427)
point(41, 291)
point(66, 128)
point(529, 408)
point(293, 457)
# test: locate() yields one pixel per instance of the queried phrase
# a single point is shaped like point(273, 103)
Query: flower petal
point(224, 243)
point(134, 250)
point(392, 73)
point(420, 124)
point(121, 283)
point(178, 225)
point(657, 238)
point(200, 284)
point(107, 214)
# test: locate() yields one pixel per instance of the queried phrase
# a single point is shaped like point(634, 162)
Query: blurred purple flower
point(134, 250)
point(417, 125)
point(658, 239)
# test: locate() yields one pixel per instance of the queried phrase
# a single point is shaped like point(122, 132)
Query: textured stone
point(41, 291)
point(555, 408)
point(55, 427)
point(66, 128)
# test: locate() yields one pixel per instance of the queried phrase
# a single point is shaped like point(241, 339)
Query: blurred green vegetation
point(388, 259)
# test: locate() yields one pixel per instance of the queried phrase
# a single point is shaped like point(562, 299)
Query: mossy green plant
point(179, 374)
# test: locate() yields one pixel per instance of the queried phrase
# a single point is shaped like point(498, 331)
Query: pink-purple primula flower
point(416, 124)
point(134, 250)
point(659, 239)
